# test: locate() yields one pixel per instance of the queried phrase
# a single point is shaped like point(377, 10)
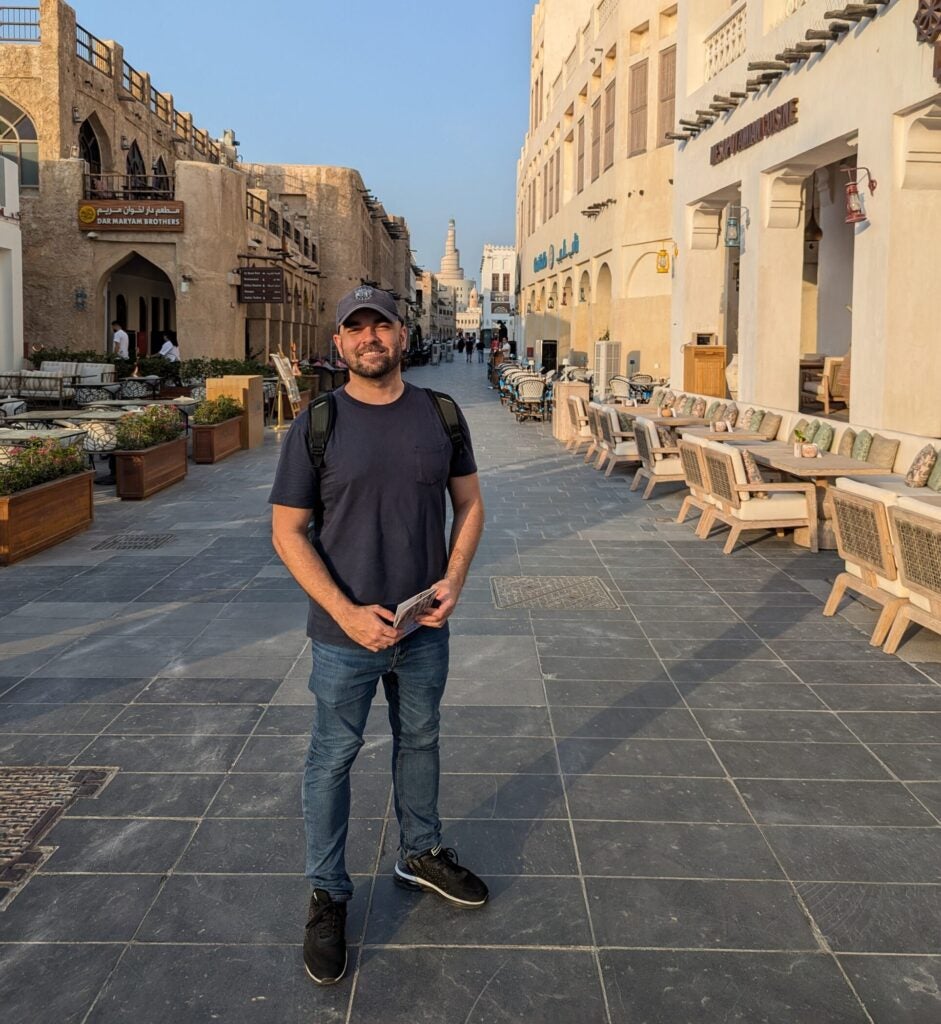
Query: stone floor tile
point(117, 844)
point(780, 760)
point(627, 723)
point(788, 726)
point(781, 802)
point(76, 690)
point(897, 988)
point(638, 757)
point(153, 753)
point(510, 796)
point(186, 719)
point(181, 690)
point(150, 795)
point(50, 718)
point(911, 762)
point(793, 696)
point(638, 798)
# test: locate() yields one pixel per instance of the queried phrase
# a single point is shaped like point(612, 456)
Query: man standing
point(389, 461)
point(119, 340)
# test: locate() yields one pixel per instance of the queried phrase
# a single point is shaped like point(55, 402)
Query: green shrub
point(155, 425)
point(38, 461)
point(216, 410)
point(195, 371)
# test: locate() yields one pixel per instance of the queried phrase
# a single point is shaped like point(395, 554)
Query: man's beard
point(374, 368)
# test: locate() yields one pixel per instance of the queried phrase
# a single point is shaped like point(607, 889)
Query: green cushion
point(847, 440)
point(934, 478)
point(800, 425)
point(824, 437)
point(810, 434)
point(754, 423)
point(862, 444)
point(711, 411)
point(687, 407)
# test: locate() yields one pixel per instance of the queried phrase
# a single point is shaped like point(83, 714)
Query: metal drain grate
point(559, 592)
point(31, 801)
point(135, 542)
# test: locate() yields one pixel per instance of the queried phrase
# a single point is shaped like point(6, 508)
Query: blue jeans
point(344, 680)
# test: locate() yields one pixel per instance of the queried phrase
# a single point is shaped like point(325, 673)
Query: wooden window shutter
point(558, 178)
point(580, 157)
point(666, 95)
point(637, 115)
point(595, 139)
point(609, 116)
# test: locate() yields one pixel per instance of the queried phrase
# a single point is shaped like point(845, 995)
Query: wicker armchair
point(619, 388)
point(596, 448)
point(581, 429)
point(694, 472)
point(860, 518)
point(530, 399)
point(916, 533)
point(787, 506)
point(659, 465)
point(619, 445)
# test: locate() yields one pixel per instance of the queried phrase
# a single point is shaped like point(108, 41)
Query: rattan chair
point(694, 472)
point(529, 399)
point(916, 536)
point(619, 445)
point(578, 418)
point(787, 506)
point(596, 448)
point(619, 388)
point(85, 394)
point(140, 387)
point(860, 519)
point(659, 465)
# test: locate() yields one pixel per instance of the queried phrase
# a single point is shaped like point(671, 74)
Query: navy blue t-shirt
point(384, 490)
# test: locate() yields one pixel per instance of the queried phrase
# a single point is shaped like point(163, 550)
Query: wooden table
point(822, 470)
point(737, 436)
point(136, 403)
point(37, 416)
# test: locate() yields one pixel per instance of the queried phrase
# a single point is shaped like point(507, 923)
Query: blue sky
point(428, 103)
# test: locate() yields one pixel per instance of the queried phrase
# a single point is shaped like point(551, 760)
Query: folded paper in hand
point(408, 611)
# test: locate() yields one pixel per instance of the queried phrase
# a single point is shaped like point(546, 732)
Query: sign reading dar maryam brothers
point(130, 215)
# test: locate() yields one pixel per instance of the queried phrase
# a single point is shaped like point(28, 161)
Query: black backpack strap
point(321, 415)
point(447, 410)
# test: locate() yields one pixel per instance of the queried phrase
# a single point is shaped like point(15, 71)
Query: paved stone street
point(704, 802)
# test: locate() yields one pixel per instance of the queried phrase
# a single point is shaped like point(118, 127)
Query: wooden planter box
point(142, 473)
point(35, 519)
point(214, 441)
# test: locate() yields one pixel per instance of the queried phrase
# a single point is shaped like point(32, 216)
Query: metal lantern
point(663, 262)
point(854, 203)
point(733, 232)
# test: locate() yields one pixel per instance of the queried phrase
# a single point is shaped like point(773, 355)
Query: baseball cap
point(367, 297)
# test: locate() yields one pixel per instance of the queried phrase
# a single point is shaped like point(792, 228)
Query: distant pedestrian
point(479, 345)
point(119, 340)
point(469, 348)
point(460, 343)
point(170, 350)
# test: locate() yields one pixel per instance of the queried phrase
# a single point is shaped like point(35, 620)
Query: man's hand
point(447, 594)
point(370, 626)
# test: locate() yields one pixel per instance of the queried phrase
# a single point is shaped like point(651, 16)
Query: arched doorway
point(134, 288)
point(89, 149)
point(601, 308)
point(162, 186)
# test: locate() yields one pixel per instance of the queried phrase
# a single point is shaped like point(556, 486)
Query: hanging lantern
point(733, 233)
point(663, 262)
point(854, 203)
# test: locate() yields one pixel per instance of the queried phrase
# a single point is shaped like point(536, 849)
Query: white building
point(498, 288)
point(11, 269)
point(451, 273)
point(789, 102)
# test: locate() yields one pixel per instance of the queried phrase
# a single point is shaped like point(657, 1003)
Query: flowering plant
point(37, 461)
point(155, 425)
point(216, 410)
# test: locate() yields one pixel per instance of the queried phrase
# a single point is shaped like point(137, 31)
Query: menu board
point(288, 381)
point(261, 284)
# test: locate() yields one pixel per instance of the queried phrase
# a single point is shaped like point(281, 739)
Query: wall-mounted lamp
point(321, 305)
point(125, 142)
point(663, 258)
point(91, 234)
point(76, 116)
point(529, 307)
point(564, 299)
point(736, 220)
point(81, 299)
point(854, 203)
point(581, 295)
point(551, 302)
point(185, 281)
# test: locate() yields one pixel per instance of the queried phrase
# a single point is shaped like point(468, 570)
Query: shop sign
point(261, 284)
point(500, 302)
point(540, 262)
point(130, 215)
point(564, 253)
point(773, 122)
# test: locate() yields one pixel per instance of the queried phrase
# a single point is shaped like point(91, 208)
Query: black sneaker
point(439, 871)
point(325, 939)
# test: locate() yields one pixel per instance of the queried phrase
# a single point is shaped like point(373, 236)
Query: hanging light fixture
point(663, 258)
point(736, 220)
point(855, 212)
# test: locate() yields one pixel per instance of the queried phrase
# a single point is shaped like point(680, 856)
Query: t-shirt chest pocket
point(432, 462)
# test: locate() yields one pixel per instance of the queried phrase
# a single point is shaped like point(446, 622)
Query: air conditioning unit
point(607, 364)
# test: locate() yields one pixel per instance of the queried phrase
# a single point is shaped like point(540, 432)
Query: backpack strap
point(447, 410)
point(321, 415)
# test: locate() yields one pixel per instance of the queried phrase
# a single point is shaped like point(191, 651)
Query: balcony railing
point(727, 42)
point(92, 50)
point(134, 82)
point(605, 9)
point(256, 209)
point(130, 186)
point(181, 127)
point(160, 105)
point(19, 25)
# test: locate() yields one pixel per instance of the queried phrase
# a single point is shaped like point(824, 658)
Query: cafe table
point(13, 439)
point(40, 418)
point(822, 471)
point(734, 436)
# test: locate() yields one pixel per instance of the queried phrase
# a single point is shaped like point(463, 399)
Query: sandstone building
point(11, 267)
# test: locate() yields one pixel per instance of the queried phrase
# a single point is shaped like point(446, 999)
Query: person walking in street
point(469, 348)
point(119, 340)
point(372, 464)
point(479, 345)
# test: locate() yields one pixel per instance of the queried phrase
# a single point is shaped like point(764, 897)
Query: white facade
point(498, 288)
point(805, 280)
point(11, 269)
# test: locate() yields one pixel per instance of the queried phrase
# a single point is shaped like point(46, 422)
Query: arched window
point(18, 142)
point(136, 172)
point(161, 180)
point(88, 148)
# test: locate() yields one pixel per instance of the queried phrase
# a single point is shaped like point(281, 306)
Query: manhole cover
point(31, 802)
point(135, 542)
point(562, 592)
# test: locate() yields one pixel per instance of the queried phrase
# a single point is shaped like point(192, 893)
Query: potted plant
point(803, 449)
point(151, 451)
point(217, 429)
point(45, 497)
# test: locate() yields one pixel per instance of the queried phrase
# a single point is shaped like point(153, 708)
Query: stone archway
point(132, 285)
point(601, 305)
